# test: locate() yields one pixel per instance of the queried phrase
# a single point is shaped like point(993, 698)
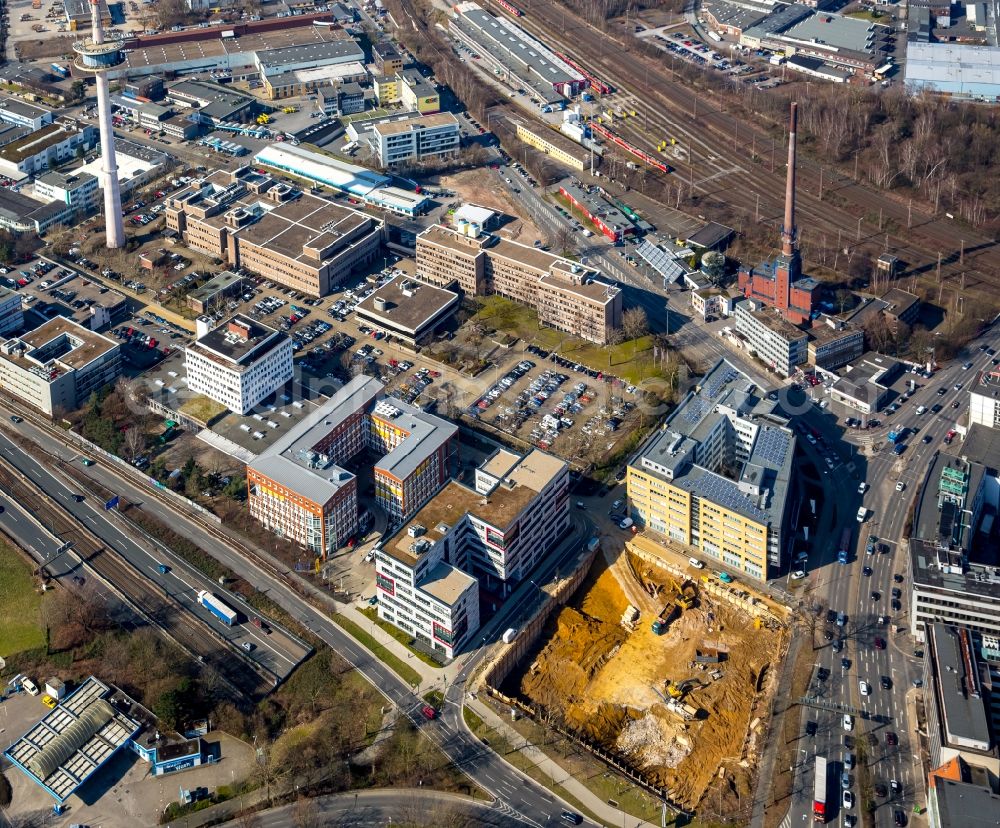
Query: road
point(850, 590)
point(381, 807)
point(518, 795)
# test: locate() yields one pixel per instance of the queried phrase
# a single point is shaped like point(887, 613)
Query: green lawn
point(393, 662)
point(632, 360)
point(21, 625)
point(403, 638)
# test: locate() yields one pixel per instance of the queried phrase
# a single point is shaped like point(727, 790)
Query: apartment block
point(55, 367)
point(490, 535)
point(299, 488)
point(432, 136)
point(566, 295)
point(773, 340)
point(239, 363)
point(716, 476)
point(252, 221)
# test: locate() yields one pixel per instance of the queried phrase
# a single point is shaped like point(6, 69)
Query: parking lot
point(693, 51)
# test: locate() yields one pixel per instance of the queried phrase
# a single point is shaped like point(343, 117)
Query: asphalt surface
point(380, 808)
point(518, 795)
point(278, 652)
point(847, 589)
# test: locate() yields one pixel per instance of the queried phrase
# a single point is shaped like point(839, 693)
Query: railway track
point(148, 601)
point(668, 111)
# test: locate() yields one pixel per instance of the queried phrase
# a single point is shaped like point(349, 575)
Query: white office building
point(239, 363)
point(417, 139)
point(11, 312)
point(984, 400)
point(428, 573)
point(773, 340)
point(21, 113)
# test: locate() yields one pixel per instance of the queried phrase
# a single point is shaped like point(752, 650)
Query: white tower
point(96, 56)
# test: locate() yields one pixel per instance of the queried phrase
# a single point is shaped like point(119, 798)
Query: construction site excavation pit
point(650, 667)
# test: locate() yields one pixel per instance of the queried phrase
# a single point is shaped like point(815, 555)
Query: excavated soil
point(608, 683)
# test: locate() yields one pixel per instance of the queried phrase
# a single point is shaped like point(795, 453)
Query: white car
point(862, 487)
point(696, 563)
point(900, 486)
point(798, 575)
point(862, 514)
point(848, 800)
point(848, 722)
point(626, 524)
point(865, 688)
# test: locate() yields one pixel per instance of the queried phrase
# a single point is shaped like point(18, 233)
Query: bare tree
point(635, 324)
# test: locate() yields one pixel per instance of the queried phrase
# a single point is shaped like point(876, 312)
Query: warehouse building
point(777, 343)
point(954, 70)
point(309, 56)
point(566, 295)
point(213, 103)
point(600, 212)
point(514, 55)
point(279, 83)
point(296, 239)
point(298, 488)
point(55, 367)
point(357, 182)
point(428, 137)
point(428, 573)
point(408, 309)
point(717, 475)
point(238, 364)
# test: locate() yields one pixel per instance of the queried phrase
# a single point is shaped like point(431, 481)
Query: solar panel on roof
point(772, 445)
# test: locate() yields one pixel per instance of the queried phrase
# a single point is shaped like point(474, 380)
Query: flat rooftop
point(959, 693)
point(982, 443)
point(410, 303)
point(446, 583)
point(551, 136)
point(23, 108)
point(822, 333)
point(972, 806)
point(38, 141)
point(434, 121)
point(215, 285)
point(778, 325)
point(87, 345)
point(238, 342)
point(341, 50)
point(948, 480)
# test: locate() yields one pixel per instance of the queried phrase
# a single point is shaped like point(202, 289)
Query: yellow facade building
point(716, 477)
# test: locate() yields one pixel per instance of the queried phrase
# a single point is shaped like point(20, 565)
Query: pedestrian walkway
point(547, 765)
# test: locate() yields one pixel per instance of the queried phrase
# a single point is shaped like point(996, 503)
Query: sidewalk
point(555, 772)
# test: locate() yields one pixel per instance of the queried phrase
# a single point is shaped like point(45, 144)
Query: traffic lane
point(143, 560)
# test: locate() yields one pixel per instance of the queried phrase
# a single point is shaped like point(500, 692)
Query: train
point(595, 83)
point(625, 145)
point(514, 10)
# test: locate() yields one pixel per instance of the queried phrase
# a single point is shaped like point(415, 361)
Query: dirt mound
point(564, 667)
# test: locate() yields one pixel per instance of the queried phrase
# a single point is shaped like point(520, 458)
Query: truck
point(669, 613)
point(509, 635)
point(897, 435)
point(715, 36)
point(843, 549)
point(219, 608)
point(61, 71)
point(819, 791)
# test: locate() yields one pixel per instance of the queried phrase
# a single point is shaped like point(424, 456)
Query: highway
point(518, 795)
point(850, 589)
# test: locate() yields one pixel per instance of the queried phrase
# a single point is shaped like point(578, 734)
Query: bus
point(845, 545)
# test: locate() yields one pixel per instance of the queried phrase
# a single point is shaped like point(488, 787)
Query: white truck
point(509, 635)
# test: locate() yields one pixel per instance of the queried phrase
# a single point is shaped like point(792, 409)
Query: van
point(696, 563)
point(30, 687)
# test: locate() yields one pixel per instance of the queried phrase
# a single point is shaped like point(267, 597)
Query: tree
point(713, 265)
point(635, 323)
point(844, 298)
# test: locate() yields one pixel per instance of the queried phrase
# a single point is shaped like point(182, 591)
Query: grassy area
point(203, 409)
point(514, 755)
point(21, 625)
point(631, 360)
point(874, 17)
point(405, 672)
point(403, 638)
point(435, 698)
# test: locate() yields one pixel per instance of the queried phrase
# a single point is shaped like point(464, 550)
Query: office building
point(239, 363)
point(834, 343)
point(408, 309)
point(21, 214)
point(21, 113)
point(779, 282)
point(418, 94)
point(11, 312)
point(566, 295)
point(716, 477)
point(52, 144)
point(777, 343)
point(386, 57)
point(296, 239)
point(211, 103)
point(299, 489)
point(78, 190)
point(137, 164)
point(56, 367)
point(984, 400)
point(492, 535)
point(279, 83)
point(954, 568)
point(864, 383)
point(955, 700)
point(342, 99)
point(429, 137)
